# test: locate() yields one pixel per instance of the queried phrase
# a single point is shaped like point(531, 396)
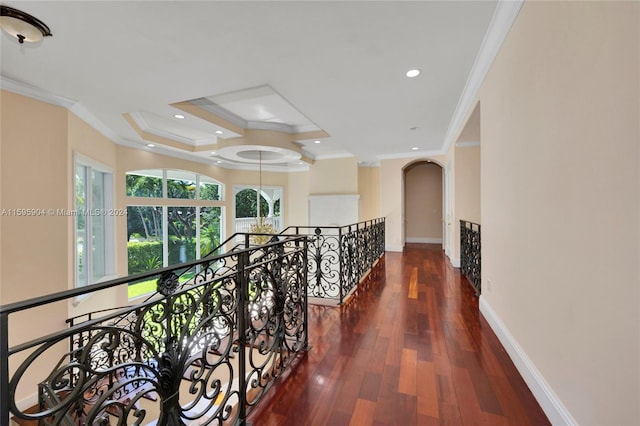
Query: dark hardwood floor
point(410, 348)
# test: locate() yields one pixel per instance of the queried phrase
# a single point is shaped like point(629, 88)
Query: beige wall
point(467, 190)
point(298, 211)
point(423, 203)
point(560, 201)
point(392, 197)
point(369, 190)
point(34, 155)
point(334, 176)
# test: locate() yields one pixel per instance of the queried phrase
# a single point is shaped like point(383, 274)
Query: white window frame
point(109, 225)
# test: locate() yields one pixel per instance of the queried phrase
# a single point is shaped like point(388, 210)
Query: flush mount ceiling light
point(415, 148)
point(316, 141)
point(179, 116)
point(22, 26)
point(413, 73)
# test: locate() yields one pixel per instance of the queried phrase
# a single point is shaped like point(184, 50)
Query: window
point(180, 222)
point(247, 205)
point(94, 260)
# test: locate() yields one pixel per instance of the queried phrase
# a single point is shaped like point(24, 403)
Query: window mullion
point(88, 196)
point(165, 236)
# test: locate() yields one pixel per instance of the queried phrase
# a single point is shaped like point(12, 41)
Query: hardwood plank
point(413, 284)
point(409, 348)
point(427, 390)
point(362, 413)
point(408, 370)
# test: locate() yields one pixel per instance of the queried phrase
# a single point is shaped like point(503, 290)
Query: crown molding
point(412, 154)
point(145, 127)
point(503, 18)
point(332, 156)
point(70, 104)
point(369, 164)
point(35, 93)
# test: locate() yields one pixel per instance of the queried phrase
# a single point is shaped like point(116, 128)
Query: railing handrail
point(356, 224)
point(463, 223)
point(175, 348)
point(92, 288)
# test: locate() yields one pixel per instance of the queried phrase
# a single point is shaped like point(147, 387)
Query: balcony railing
point(339, 257)
point(205, 347)
point(470, 259)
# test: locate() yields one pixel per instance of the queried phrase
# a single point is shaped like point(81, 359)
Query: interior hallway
point(410, 348)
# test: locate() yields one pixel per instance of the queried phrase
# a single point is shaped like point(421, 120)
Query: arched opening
point(423, 203)
point(248, 204)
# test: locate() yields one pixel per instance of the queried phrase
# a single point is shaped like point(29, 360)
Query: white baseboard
point(394, 248)
point(546, 397)
point(426, 240)
point(28, 402)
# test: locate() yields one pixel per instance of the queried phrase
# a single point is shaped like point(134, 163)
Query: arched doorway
point(423, 203)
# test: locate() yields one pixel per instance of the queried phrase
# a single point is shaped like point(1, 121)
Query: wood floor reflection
point(410, 348)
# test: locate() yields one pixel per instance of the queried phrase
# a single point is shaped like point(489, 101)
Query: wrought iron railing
point(205, 348)
point(339, 257)
point(470, 259)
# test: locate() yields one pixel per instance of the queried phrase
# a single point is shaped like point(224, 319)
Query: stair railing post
point(340, 264)
point(4, 369)
point(303, 277)
point(243, 289)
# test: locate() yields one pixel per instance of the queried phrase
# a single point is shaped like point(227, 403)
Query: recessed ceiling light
point(415, 148)
point(300, 162)
point(213, 153)
point(219, 161)
point(413, 73)
point(316, 141)
point(219, 132)
point(179, 116)
point(150, 145)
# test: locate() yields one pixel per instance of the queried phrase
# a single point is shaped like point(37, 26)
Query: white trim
point(500, 25)
point(546, 397)
point(411, 154)
point(26, 403)
point(331, 156)
point(455, 261)
point(70, 104)
point(467, 144)
point(84, 114)
point(426, 240)
point(35, 93)
point(145, 127)
point(369, 164)
point(394, 248)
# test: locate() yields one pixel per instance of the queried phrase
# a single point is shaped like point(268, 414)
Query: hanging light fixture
point(23, 26)
point(261, 226)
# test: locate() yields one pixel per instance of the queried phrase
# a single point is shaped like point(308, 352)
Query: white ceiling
point(338, 65)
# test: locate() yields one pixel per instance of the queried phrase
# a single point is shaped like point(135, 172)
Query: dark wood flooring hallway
point(410, 348)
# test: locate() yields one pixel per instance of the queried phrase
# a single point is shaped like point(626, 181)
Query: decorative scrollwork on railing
point(470, 259)
point(175, 359)
point(339, 257)
point(324, 262)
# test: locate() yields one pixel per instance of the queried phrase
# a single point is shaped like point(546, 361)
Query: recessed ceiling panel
point(263, 104)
